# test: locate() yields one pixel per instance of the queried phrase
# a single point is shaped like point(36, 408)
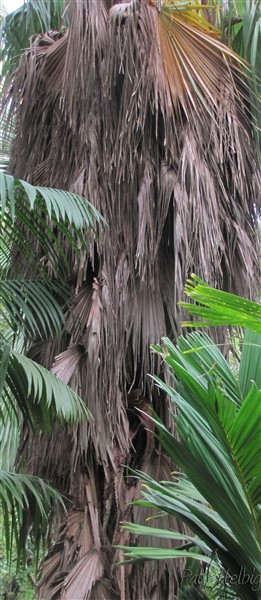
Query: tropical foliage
point(26, 504)
point(139, 107)
point(31, 309)
point(218, 420)
point(219, 308)
point(19, 27)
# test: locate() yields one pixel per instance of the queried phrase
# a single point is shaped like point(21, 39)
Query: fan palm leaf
point(194, 59)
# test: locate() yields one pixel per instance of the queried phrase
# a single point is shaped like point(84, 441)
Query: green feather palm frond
point(215, 307)
point(40, 396)
point(26, 502)
point(217, 418)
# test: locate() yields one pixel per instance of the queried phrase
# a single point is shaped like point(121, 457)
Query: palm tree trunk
point(177, 190)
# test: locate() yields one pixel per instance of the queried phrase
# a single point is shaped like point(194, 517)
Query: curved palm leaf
point(164, 553)
point(220, 308)
point(218, 450)
point(10, 428)
point(43, 219)
point(48, 220)
point(34, 306)
point(40, 396)
point(59, 204)
point(203, 361)
point(30, 307)
point(249, 369)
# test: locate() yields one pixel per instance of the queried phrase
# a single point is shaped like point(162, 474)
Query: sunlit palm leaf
point(249, 369)
point(40, 396)
point(220, 308)
point(151, 553)
point(202, 360)
point(133, 554)
point(195, 62)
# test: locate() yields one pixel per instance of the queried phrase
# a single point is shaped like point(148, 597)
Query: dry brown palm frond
point(53, 67)
point(79, 583)
point(86, 43)
point(158, 464)
point(78, 533)
point(104, 590)
point(67, 362)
